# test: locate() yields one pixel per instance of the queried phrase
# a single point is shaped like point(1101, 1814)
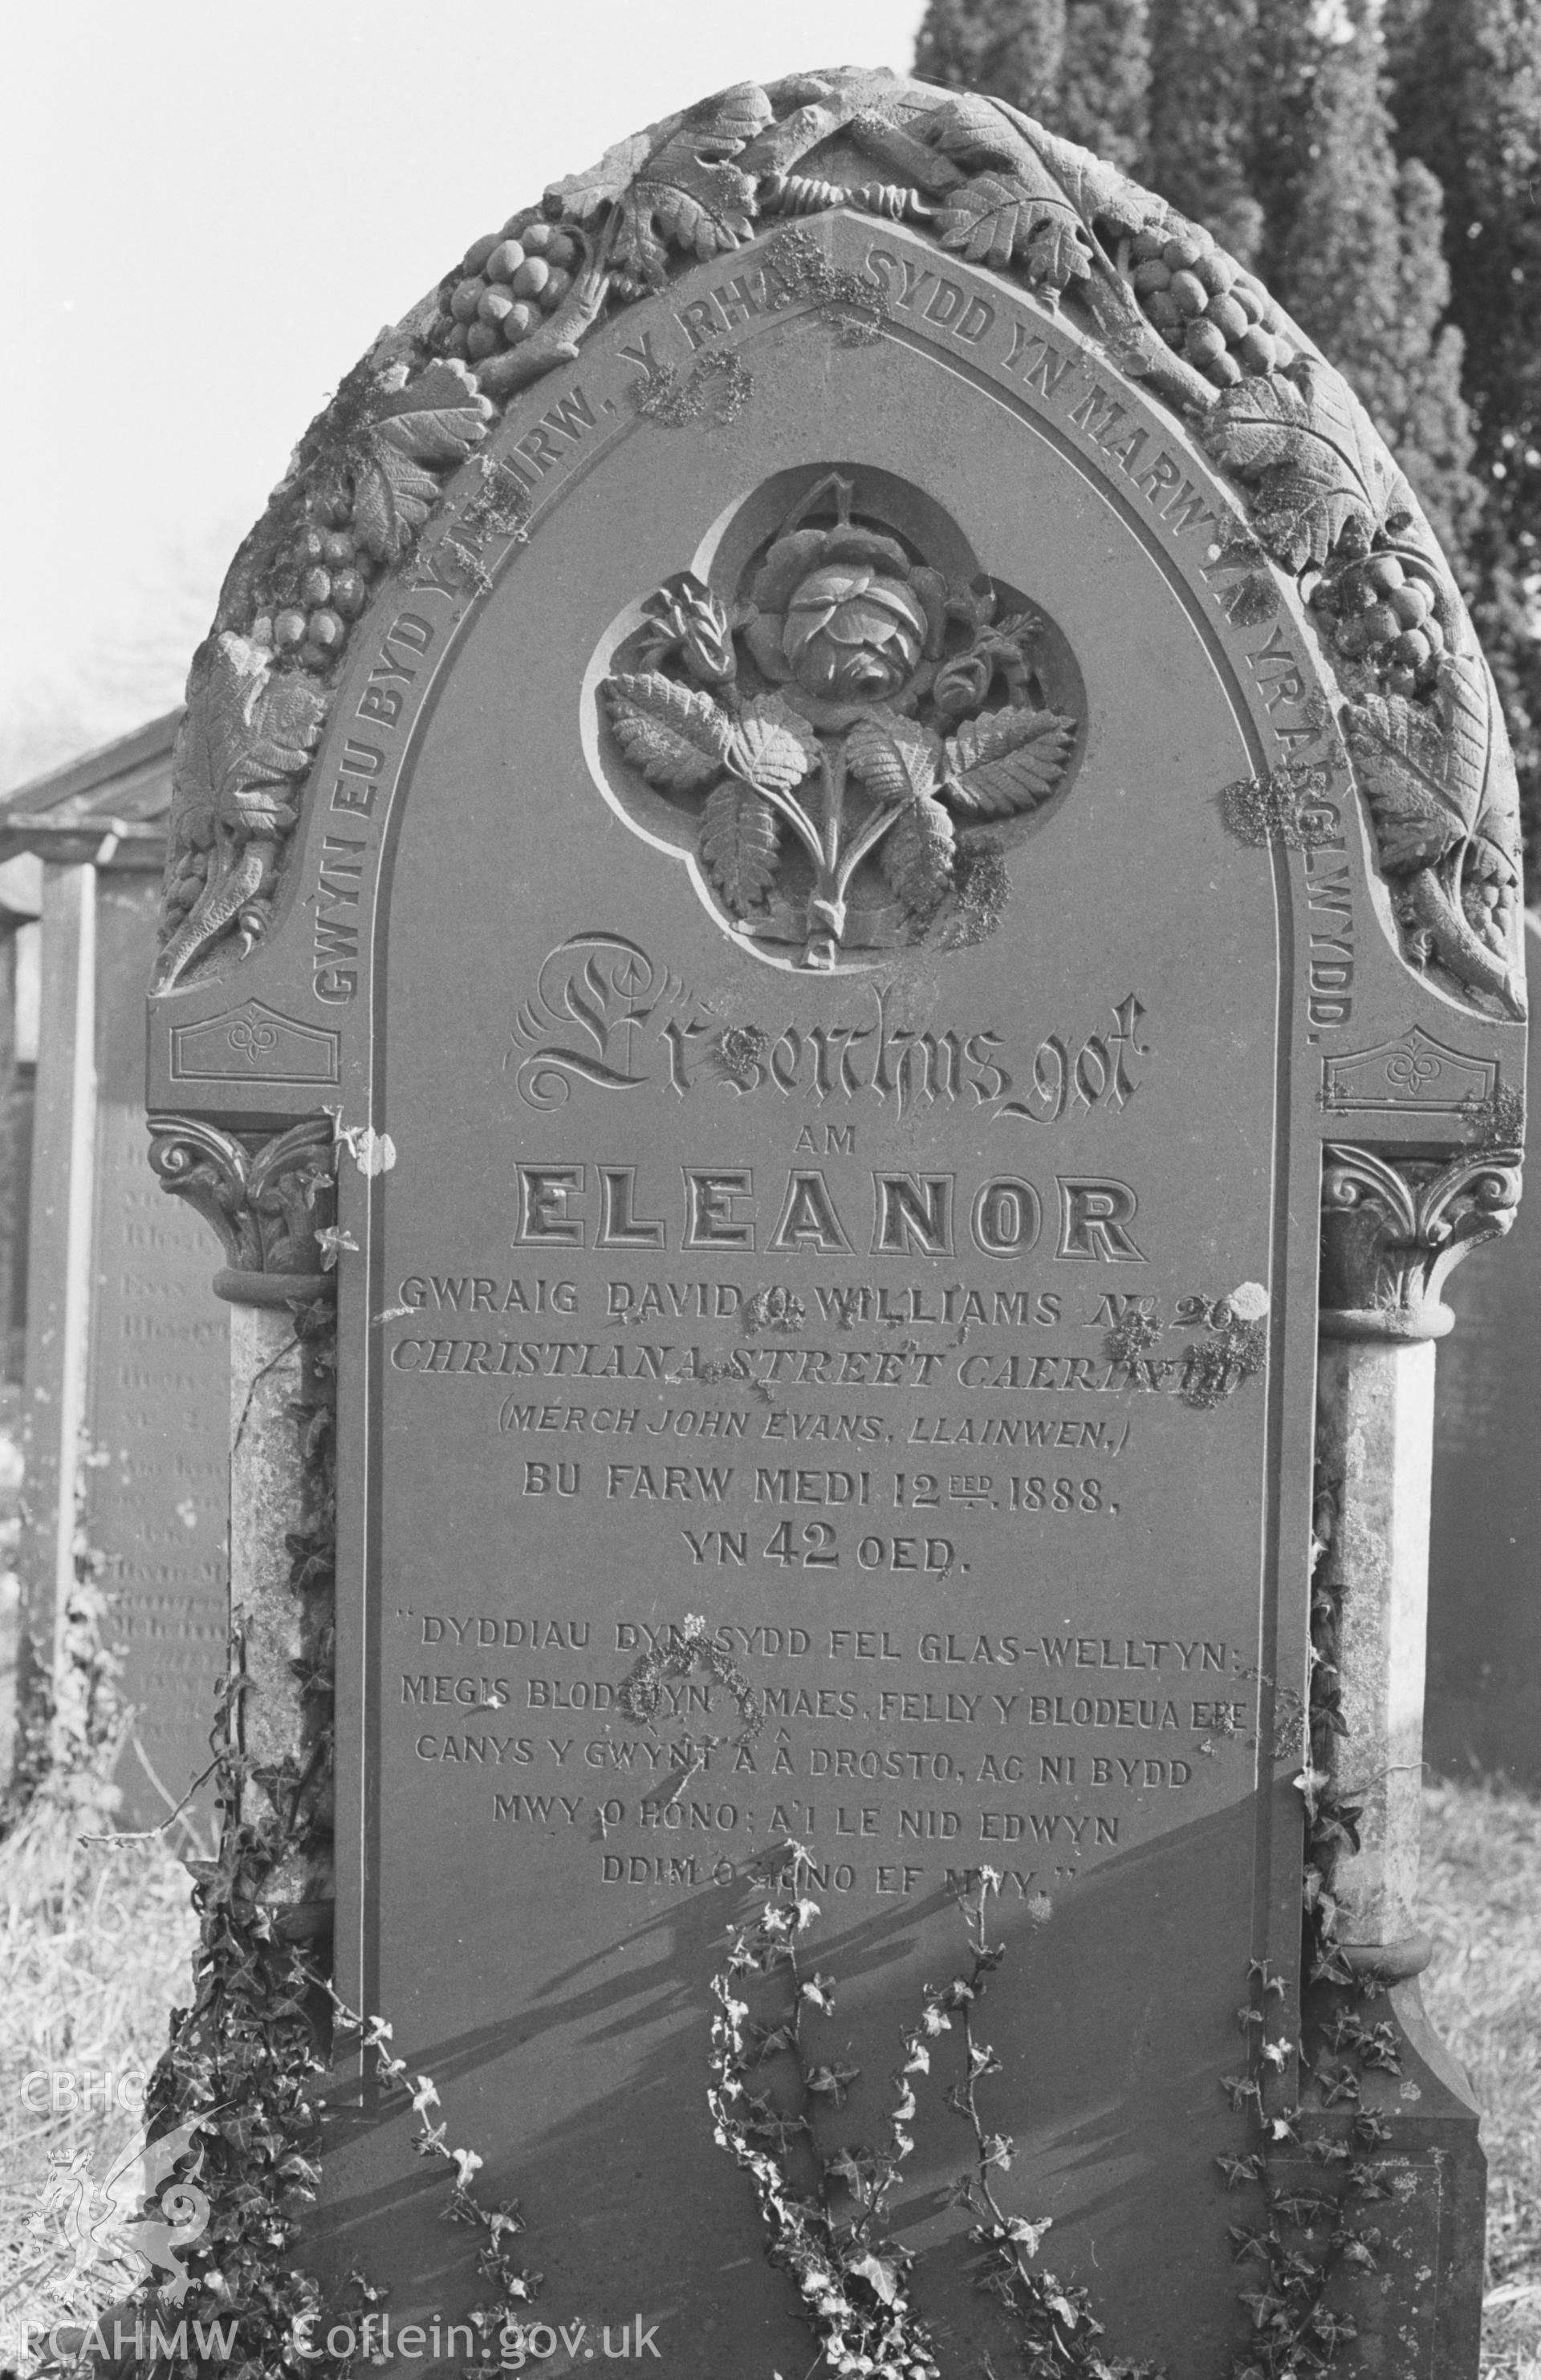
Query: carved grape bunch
point(320, 584)
point(504, 282)
point(1387, 613)
point(1218, 317)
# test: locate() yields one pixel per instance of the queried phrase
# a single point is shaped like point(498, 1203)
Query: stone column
point(58, 1320)
point(1393, 1228)
point(269, 1201)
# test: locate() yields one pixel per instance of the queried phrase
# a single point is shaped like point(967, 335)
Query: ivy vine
point(827, 2221)
point(1313, 2243)
point(246, 2061)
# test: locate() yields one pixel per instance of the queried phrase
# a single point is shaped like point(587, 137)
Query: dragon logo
point(131, 2217)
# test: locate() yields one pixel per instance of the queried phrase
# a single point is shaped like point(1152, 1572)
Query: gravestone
point(126, 1382)
point(844, 831)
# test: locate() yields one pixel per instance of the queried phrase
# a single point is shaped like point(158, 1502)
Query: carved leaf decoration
point(579, 195)
point(740, 839)
point(1056, 254)
point(771, 746)
point(894, 758)
point(997, 216)
point(1008, 760)
point(1401, 758)
point(687, 194)
point(1308, 443)
point(1465, 710)
point(985, 133)
point(1097, 192)
point(245, 733)
point(981, 132)
point(1499, 816)
point(916, 855)
point(676, 735)
point(422, 429)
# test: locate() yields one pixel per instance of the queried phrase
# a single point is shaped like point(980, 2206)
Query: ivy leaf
point(427, 427)
point(740, 840)
point(881, 2277)
point(997, 217)
point(676, 735)
point(1404, 766)
point(1009, 760)
point(1309, 445)
point(687, 195)
point(771, 747)
point(916, 858)
point(894, 758)
point(833, 2082)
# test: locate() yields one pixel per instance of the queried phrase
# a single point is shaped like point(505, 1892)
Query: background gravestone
point(126, 1387)
point(1485, 1555)
point(854, 920)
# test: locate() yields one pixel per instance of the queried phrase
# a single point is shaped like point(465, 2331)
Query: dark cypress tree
point(1363, 270)
point(1105, 101)
point(1288, 58)
point(1467, 97)
point(1013, 49)
point(1080, 67)
point(1202, 55)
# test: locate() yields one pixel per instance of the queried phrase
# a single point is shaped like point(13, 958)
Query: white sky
point(210, 209)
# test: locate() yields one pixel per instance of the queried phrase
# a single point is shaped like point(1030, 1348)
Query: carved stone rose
point(831, 796)
point(845, 615)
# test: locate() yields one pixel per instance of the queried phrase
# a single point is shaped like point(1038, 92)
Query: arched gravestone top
point(839, 761)
point(1316, 507)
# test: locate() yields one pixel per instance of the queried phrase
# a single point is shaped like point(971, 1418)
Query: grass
point(96, 1948)
point(96, 1945)
point(1482, 1903)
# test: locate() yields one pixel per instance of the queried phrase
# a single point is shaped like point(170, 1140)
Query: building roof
point(109, 807)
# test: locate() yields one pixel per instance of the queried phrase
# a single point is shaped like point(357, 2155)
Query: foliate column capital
point(270, 1201)
point(1393, 1229)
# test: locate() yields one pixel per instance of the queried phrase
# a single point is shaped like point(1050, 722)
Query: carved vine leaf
point(987, 133)
point(579, 197)
point(1097, 192)
point(1403, 767)
point(676, 735)
point(429, 426)
point(979, 133)
point(688, 193)
point(1498, 817)
point(916, 855)
point(1308, 443)
point(771, 747)
point(1465, 710)
point(894, 758)
point(997, 217)
point(740, 844)
point(1008, 760)
point(247, 732)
